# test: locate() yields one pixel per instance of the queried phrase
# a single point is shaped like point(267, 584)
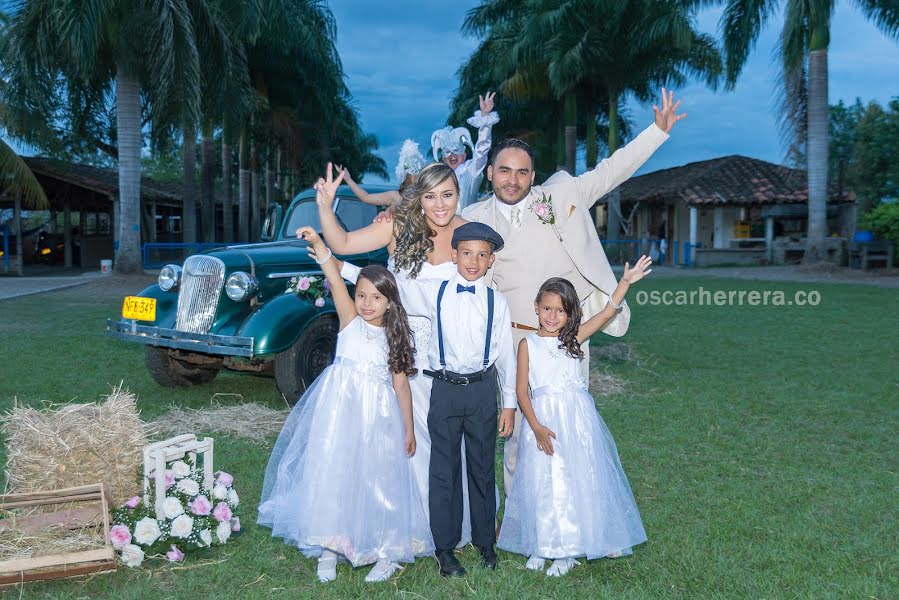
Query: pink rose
point(201, 505)
point(169, 479)
point(303, 284)
point(174, 555)
point(541, 210)
point(132, 502)
point(224, 479)
point(235, 524)
point(120, 536)
point(319, 302)
point(221, 512)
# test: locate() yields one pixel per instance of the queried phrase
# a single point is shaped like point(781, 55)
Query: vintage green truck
point(230, 308)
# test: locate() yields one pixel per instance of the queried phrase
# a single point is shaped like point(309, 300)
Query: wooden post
point(17, 219)
point(67, 230)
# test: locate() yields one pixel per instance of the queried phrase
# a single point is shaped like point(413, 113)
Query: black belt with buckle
point(457, 378)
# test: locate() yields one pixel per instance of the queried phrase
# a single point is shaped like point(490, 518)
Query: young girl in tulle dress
point(570, 498)
point(339, 483)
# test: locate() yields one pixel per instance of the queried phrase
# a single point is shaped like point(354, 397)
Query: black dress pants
point(456, 411)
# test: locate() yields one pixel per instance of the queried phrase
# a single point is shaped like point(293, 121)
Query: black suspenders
point(440, 326)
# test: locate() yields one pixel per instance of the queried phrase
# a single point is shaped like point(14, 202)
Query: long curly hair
point(400, 344)
point(572, 307)
point(410, 225)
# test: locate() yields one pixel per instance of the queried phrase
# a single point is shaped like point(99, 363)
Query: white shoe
point(327, 567)
point(382, 571)
point(535, 563)
point(561, 567)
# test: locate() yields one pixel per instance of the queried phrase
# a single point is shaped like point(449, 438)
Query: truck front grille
point(201, 285)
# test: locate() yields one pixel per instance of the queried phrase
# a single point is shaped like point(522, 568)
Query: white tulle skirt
point(576, 503)
point(339, 479)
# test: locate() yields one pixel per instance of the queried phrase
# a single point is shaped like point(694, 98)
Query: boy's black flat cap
point(479, 232)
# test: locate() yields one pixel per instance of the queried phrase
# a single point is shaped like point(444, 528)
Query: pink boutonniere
point(543, 208)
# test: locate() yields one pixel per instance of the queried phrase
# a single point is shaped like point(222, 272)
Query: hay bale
point(248, 420)
point(77, 444)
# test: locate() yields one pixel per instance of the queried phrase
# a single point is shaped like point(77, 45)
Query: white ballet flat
point(327, 567)
point(535, 563)
point(561, 567)
point(382, 571)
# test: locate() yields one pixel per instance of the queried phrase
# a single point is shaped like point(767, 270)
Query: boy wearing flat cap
point(471, 354)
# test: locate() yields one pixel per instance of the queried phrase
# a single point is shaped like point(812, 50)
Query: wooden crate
point(157, 454)
point(69, 564)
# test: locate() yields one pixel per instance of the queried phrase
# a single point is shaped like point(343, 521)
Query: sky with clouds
point(401, 57)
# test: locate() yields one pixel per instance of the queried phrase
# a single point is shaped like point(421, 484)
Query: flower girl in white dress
point(570, 497)
point(339, 482)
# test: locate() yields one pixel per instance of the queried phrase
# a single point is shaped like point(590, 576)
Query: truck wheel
point(169, 371)
point(298, 366)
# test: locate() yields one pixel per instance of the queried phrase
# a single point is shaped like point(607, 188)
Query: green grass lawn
point(757, 440)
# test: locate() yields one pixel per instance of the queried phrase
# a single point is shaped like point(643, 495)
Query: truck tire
point(298, 366)
point(169, 371)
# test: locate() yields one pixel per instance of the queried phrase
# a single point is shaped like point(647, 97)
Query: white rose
point(223, 531)
point(182, 526)
point(171, 507)
point(189, 487)
point(132, 556)
point(219, 492)
point(146, 531)
point(233, 498)
point(206, 537)
point(180, 469)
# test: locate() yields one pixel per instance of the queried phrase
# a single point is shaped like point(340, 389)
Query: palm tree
point(803, 45)
point(140, 49)
point(591, 52)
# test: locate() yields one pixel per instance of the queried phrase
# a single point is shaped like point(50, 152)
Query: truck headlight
point(240, 286)
point(169, 277)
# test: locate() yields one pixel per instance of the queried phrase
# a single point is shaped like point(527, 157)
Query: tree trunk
point(189, 186)
point(128, 130)
point(817, 156)
point(207, 182)
point(17, 223)
point(570, 132)
point(243, 210)
point(255, 183)
point(613, 219)
point(227, 212)
point(592, 152)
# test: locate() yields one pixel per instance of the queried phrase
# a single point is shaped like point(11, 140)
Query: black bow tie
point(461, 288)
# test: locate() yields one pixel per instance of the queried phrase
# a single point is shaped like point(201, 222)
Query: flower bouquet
point(192, 517)
point(312, 289)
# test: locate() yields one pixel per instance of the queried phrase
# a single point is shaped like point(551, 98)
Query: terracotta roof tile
point(729, 180)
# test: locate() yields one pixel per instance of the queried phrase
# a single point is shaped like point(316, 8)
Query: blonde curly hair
point(410, 226)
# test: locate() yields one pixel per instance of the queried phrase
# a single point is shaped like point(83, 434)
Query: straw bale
point(67, 445)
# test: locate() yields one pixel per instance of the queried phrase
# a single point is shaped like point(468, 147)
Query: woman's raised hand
point(326, 188)
point(640, 270)
point(344, 172)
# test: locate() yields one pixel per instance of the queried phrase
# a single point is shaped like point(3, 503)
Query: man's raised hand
point(667, 117)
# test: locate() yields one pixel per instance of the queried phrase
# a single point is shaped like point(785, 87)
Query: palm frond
point(18, 180)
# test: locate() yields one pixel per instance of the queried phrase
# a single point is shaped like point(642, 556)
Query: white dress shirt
point(464, 319)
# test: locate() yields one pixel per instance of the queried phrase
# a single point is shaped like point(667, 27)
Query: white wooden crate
point(183, 447)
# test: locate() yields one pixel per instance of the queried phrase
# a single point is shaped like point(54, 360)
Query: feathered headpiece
point(410, 162)
point(450, 141)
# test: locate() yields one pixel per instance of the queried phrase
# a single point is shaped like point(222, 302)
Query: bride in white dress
point(418, 241)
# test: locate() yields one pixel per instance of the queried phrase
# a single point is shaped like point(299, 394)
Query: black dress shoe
point(449, 564)
point(488, 557)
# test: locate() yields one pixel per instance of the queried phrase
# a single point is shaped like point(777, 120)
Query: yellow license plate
point(142, 309)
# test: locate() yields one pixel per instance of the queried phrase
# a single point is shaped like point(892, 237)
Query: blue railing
point(158, 254)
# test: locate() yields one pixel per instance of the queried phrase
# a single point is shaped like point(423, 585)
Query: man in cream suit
point(557, 242)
